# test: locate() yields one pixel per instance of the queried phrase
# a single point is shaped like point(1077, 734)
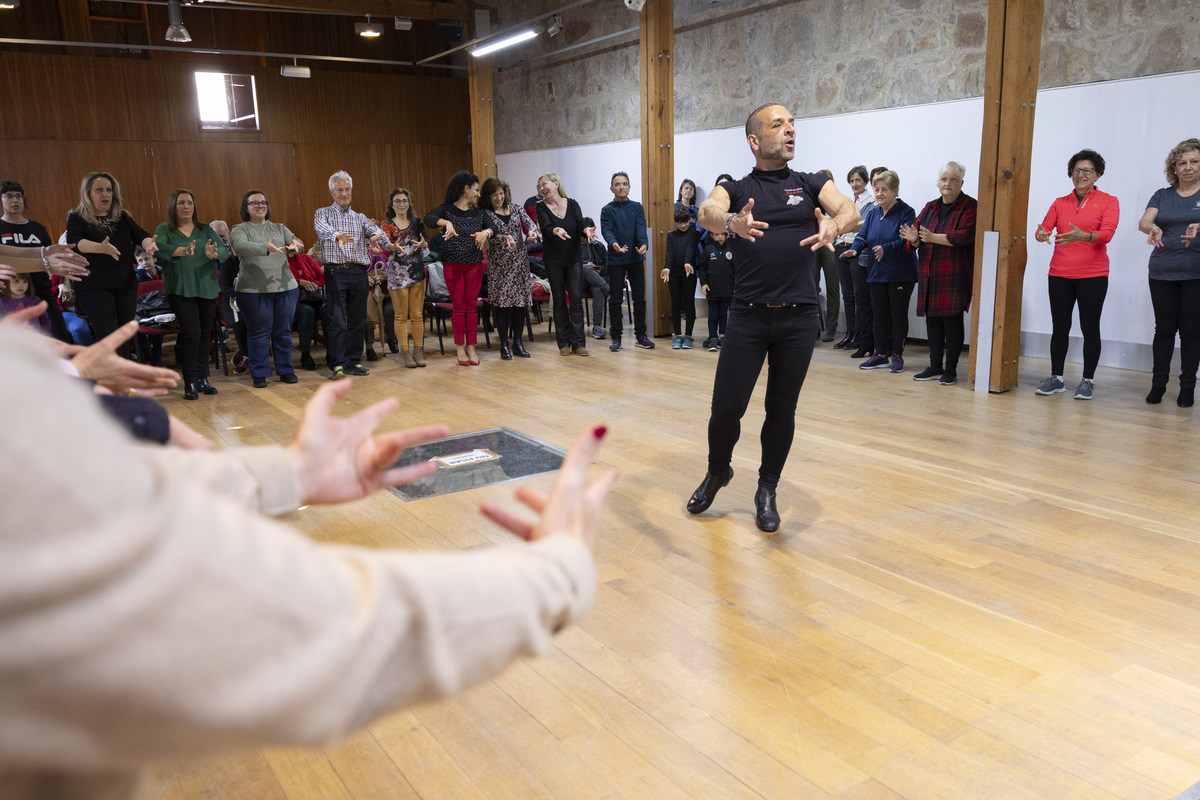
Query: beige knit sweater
point(149, 610)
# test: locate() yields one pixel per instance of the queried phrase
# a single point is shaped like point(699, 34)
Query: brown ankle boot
point(418, 354)
point(406, 357)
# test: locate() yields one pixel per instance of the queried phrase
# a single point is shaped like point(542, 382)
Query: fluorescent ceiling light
point(8, 5)
point(368, 29)
point(507, 41)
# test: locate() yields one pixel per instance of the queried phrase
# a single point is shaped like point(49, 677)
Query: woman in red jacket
point(1085, 221)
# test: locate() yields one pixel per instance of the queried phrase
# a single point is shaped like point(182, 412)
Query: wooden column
point(483, 123)
point(656, 42)
point(1014, 47)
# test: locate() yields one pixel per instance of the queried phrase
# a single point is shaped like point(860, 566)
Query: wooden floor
point(971, 596)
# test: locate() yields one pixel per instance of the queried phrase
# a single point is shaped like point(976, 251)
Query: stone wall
point(818, 57)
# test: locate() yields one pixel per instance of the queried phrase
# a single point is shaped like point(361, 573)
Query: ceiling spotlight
point(554, 25)
point(294, 70)
point(175, 30)
point(368, 29)
point(403, 24)
point(502, 43)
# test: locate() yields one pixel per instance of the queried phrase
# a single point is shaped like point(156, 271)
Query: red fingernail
point(599, 431)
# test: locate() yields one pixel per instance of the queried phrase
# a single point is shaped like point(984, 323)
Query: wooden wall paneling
point(1006, 150)
point(370, 167)
point(51, 171)
point(219, 173)
point(655, 45)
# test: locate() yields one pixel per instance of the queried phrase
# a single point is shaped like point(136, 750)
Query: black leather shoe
point(288, 377)
point(260, 383)
point(306, 361)
point(505, 353)
point(205, 387)
point(519, 349)
point(706, 492)
point(372, 355)
point(842, 344)
point(394, 345)
point(766, 515)
point(190, 392)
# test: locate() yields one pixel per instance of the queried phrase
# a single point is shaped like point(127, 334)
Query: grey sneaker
point(598, 332)
point(1084, 390)
point(1052, 385)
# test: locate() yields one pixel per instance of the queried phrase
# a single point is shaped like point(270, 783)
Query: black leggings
point(1089, 293)
point(107, 310)
point(194, 316)
point(1176, 309)
point(946, 336)
point(683, 300)
point(506, 316)
point(889, 306)
point(785, 337)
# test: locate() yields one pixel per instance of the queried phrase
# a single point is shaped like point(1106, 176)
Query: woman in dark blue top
point(893, 272)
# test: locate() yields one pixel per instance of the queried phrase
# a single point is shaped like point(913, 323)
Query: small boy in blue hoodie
point(715, 273)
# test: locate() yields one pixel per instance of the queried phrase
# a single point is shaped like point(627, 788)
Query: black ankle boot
point(766, 515)
point(519, 349)
point(1156, 394)
point(205, 387)
point(505, 353)
point(190, 391)
point(1187, 397)
point(706, 492)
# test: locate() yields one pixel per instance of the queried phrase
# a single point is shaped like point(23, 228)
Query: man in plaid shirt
point(345, 237)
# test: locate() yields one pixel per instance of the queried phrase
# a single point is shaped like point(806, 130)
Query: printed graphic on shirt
point(794, 196)
point(21, 240)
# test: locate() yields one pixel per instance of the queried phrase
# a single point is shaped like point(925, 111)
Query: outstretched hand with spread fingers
point(339, 459)
point(573, 508)
point(100, 362)
point(827, 230)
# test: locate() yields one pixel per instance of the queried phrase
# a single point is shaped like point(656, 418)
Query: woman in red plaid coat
point(944, 236)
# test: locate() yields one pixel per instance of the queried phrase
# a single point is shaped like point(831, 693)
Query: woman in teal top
point(266, 289)
point(189, 252)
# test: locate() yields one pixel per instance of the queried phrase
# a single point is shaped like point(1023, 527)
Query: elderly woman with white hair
point(944, 237)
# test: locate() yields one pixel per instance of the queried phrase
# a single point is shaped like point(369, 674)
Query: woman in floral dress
point(508, 265)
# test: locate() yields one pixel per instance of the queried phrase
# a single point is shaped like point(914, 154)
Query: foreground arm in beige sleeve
point(145, 616)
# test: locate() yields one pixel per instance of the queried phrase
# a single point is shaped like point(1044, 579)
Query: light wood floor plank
point(972, 595)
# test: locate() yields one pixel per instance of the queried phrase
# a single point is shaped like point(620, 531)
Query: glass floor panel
point(470, 460)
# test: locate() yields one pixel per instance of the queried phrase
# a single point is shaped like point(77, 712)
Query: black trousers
point(566, 283)
point(307, 315)
point(889, 306)
point(40, 283)
point(636, 274)
point(785, 338)
point(345, 313)
point(946, 337)
point(1089, 293)
point(107, 310)
point(683, 300)
point(845, 273)
point(195, 317)
point(864, 317)
point(1176, 309)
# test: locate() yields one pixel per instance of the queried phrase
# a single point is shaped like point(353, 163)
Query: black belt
point(349, 264)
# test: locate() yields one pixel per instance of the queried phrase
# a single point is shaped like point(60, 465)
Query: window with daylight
point(227, 102)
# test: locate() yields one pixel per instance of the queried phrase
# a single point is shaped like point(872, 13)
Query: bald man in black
point(779, 218)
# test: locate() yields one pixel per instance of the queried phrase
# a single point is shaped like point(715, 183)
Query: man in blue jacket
point(623, 224)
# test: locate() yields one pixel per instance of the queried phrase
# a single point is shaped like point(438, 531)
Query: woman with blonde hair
point(106, 235)
point(1170, 226)
point(563, 233)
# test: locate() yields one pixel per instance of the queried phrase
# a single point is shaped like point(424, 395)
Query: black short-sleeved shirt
point(775, 268)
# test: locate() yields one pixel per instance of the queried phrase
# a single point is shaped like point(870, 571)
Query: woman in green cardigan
point(189, 252)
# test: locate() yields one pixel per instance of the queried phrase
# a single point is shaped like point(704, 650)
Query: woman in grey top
point(266, 289)
point(1170, 225)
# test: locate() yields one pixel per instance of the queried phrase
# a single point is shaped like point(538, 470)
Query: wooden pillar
point(483, 123)
point(1010, 90)
point(656, 42)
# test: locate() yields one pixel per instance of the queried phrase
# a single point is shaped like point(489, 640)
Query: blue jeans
point(268, 318)
point(81, 332)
